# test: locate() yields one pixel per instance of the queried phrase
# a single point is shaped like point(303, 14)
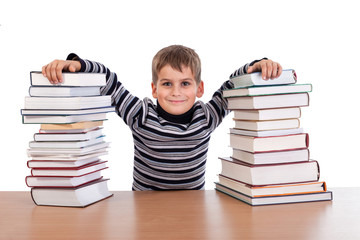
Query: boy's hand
point(53, 71)
point(268, 69)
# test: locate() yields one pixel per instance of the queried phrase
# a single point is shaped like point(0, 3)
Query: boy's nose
point(176, 91)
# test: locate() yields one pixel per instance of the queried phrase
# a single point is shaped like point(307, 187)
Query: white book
point(60, 164)
point(81, 196)
point(60, 91)
point(67, 103)
point(267, 114)
point(54, 119)
point(69, 152)
point(269, 101)
point(265, 125)
point(268, 174)
point(70, 157)
point(69, 172)
point(41, 181)
point(70, 79)
point(39, 137)
point(269, 200)
point(66, 144)
point(288, 76)
point(286, 156)
point(267, 133)
point(67, 112)
point(267, 90)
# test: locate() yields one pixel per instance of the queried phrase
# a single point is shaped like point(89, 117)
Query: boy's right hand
point(53, 71)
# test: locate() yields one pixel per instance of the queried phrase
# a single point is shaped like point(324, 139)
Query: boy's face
point(176, 91)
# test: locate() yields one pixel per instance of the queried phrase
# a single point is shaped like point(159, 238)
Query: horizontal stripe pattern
point(167, 155)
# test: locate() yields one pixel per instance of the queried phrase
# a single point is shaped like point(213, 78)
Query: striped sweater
point(169, 151)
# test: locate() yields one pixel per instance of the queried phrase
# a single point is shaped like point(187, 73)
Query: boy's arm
point(218, 105)
point(268, 68)
point(126, 105)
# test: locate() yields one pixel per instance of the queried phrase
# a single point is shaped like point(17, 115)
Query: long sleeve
point(127, 106)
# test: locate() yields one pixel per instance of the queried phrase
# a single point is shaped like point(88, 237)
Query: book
point(69, 172)
point(60, 164)
point(265, 125)
point(66, 144)
point(267, 90)
point(41, 181)
point(66, 112)
point(270, 200)
point(60, 91)
point(67, 103)
point(70, 79)
point(288, 76)
point(68, 136)
point(267, 114)
point(272, 190)
point(272, 143)
point(267, 133)
point(67, 152)
point(81, 196)
point(69, 157)
point(71, 126)
point(268, 174)
point(298, 155)
point(269, 101)
point(55, 119)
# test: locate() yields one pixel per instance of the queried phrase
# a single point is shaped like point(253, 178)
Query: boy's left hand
point(268, 69)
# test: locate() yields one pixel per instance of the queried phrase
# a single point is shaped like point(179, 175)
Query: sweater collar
point(181, 119)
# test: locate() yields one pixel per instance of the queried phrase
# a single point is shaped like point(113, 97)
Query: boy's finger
point(274, 73)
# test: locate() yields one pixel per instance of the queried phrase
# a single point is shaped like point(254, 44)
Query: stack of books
point(66, 166)
point(270, 161)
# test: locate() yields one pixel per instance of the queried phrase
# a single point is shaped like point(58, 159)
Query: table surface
point(181, 215)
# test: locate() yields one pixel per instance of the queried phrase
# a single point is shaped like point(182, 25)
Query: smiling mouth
point(176, 101)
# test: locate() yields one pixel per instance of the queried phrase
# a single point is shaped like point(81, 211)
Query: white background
point(319, 39)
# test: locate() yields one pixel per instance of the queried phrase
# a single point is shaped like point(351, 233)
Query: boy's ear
point(200, 89)
point(154, 90)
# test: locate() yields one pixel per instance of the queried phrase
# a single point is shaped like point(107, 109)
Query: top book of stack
point(288, 76)
point(70, 79)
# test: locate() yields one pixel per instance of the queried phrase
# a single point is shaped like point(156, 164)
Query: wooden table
point(181, 215)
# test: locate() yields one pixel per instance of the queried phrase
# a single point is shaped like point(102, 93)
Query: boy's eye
point(167, 84)
point(185, 83)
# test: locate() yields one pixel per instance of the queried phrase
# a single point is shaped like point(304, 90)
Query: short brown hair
point(177, 56)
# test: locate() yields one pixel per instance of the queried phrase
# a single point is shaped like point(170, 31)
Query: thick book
point(297, 155)
point(268, 174)
point(66, 112)
point(54, 119)
point(272, 190)
point(65, 182)
point(82, 196)
point(66, 144)
point(60, 91)
point(67, 152)
point(69, 172)
point(265, 125)
point(61, 164)
point(80, 126)
point(70, 79)
point(267, 133)
point(269, 101)
point(67, 103)
point(288, 76)
point(95, 133)
point(267, 90)
point(267, 114)
point(271, 200)
point(267, 144)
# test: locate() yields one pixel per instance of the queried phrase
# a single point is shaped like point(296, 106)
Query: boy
point(171, 137)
